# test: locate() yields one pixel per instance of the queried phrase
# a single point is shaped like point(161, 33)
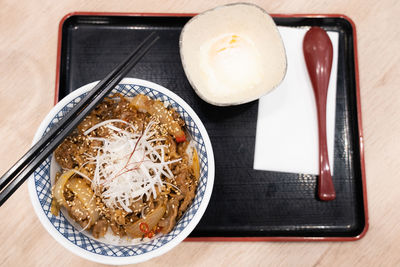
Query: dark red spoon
point(318, 52)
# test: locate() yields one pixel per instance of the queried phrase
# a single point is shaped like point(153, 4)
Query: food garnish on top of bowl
point(129, 166)
point(232, 54)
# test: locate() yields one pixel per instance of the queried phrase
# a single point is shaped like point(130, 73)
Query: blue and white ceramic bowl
point(81, 242)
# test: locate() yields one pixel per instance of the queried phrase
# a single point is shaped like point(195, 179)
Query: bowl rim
point(134, 258)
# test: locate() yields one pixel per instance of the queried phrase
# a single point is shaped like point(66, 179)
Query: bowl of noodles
point(131, 181)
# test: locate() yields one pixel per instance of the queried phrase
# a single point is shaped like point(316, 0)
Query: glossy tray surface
point(245, 203)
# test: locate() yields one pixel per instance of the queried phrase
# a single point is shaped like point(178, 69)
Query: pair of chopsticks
point(24, 167)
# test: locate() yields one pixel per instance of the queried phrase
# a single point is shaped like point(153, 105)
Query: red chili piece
point(180, 139)
point(144, 227)
point(150, 234)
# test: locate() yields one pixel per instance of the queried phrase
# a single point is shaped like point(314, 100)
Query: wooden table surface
point(28, 47)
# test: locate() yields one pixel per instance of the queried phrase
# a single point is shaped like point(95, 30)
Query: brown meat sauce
point(73, 153)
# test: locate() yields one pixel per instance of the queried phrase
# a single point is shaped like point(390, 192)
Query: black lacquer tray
point(246, 204)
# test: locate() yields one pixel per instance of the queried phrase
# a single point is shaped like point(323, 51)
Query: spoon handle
point(318, 53)
point(326, 190)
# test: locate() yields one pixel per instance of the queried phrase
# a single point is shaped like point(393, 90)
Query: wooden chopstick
point(23, 168)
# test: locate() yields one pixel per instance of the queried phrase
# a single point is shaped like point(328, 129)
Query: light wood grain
point(28, 34)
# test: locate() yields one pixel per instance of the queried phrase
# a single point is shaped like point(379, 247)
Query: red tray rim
point(359, 117)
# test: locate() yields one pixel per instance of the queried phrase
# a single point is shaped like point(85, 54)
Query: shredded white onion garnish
point(129, 165)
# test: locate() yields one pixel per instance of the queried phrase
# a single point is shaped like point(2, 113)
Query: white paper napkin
point(287, 127)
